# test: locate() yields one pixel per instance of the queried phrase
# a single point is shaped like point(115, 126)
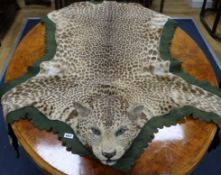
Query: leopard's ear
point(135, 112)
point(82, 110)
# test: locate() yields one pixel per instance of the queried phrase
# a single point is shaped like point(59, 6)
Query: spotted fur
point(107, 78)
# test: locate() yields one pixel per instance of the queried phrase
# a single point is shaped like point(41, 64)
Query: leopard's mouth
point(109, 162)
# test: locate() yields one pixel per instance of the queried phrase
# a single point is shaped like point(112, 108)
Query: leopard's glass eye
point(96, 131)
point(121, 131)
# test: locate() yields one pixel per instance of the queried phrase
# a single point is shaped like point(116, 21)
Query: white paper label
point(68, 135)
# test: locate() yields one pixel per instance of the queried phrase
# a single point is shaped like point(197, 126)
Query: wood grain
point(175, 150)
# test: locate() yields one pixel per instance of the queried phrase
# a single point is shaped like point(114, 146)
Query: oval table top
point(174, 150)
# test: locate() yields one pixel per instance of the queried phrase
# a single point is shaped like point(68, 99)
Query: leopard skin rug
point(107, 80)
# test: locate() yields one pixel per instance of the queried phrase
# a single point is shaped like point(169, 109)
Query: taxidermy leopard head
point(108, 126)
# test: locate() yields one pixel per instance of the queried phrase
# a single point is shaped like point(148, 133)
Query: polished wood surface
point(174, 150)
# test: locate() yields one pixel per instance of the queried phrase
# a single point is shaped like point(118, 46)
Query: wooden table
point(175, 150)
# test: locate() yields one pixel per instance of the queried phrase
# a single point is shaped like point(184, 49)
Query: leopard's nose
point(109, 154)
